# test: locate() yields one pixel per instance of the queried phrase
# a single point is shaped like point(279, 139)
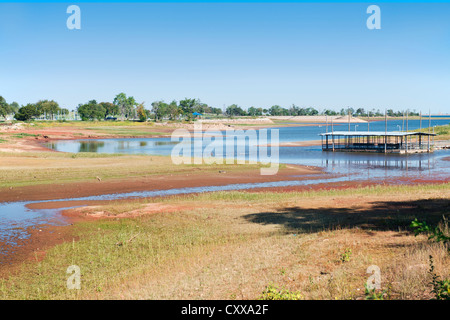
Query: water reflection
point(418, 165)
point(90, 146)
point(131, 146)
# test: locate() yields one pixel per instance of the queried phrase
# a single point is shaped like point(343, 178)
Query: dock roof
point(375, 133)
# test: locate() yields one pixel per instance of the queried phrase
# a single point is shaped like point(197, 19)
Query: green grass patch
point(23, 135)
point(126, 131)
point(109, 252)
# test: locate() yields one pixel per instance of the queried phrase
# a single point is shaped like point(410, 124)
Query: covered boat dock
point(384, 142)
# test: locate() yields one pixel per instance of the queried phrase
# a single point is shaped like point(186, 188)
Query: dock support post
point(385, 131)
point(429, 126)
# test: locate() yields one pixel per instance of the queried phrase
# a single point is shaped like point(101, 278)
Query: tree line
point(47, 108)
point(127, 108)
point(361, 112)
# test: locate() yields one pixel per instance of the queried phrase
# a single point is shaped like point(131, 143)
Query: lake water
point(342, 166)
point(355, 165)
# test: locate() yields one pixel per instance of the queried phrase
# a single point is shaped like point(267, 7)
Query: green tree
point(160, 109)
point(216, 111)
point(310, 111)
point(275, 110)
point(141, 113)
point(173, 110)
point(126, 105)
point(5, 108)
point(360, 112)
point(26, 113)
point(110, 109)
point(14, 107)
point(65, 112)
point(48, 108)
point(295, 111)
point(188, 107)
point(91, 111)
point(254, 112)
point(235, 110)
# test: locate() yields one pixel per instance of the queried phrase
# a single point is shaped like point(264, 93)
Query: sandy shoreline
point(319, 119)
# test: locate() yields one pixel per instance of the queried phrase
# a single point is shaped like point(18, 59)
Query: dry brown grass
point(309, 261)
point(231, 245)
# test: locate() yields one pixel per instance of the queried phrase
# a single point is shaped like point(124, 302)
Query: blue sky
point(251, 54)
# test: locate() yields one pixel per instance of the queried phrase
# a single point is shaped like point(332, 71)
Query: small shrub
point(372, 294)
point(441, 288)
point(345, 257)
point(437, 234)
point(274, 293)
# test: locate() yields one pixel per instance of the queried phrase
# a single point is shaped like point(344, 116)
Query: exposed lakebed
point(15, 217)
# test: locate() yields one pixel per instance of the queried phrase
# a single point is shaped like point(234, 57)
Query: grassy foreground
point(233, 245)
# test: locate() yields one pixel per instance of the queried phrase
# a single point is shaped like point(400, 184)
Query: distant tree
point(91, 111)
point(110, 109)
point(48, 108)
point(202, 108)
point(26, 113)
point(126, 105)
point(295, 111)
point(14, 107)
point(275, 110)
point(141, 113)
point(311, 111)
point(188, 107)
point(5, 108)
point(360, 112)
point(149, 113)
point(235, 110)
point(350, 111)
point(254, 112)
point(301, 112)
point(173, 110)
point(216, 111)
point(65, 112)
point(160, 110)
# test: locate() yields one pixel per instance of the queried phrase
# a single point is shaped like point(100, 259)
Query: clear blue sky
point(254, 54)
